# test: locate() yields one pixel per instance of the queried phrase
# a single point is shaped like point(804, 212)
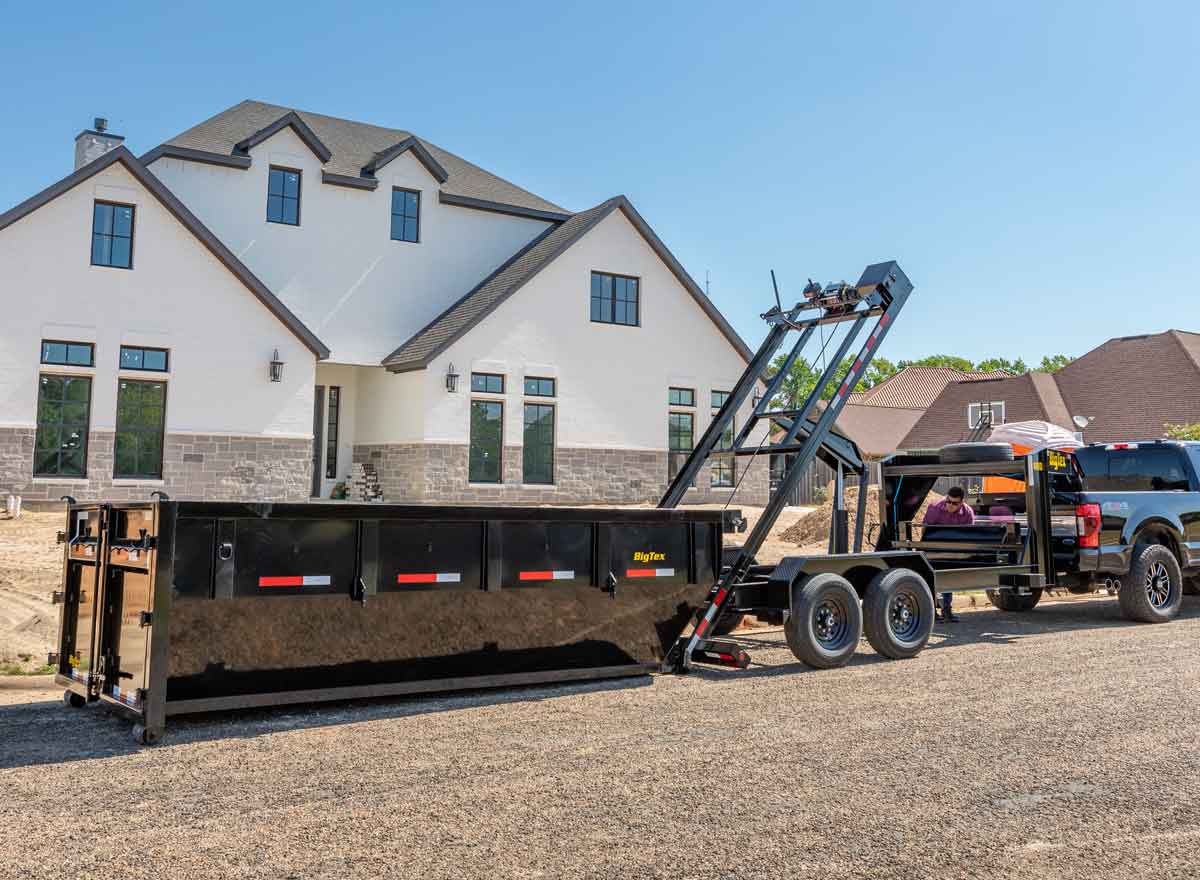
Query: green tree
point(1052, 363)
point(941, 360)
point(1183, 431)
point(1017, 367)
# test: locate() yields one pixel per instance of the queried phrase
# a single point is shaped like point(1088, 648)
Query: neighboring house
point(879, 418)
point(1129, 388)
point(471, 339)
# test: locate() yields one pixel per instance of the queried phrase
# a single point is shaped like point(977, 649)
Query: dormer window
point(406, 215)
point(283, 196)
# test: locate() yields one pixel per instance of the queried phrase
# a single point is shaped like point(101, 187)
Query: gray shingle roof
point(431, 340)
point(352, 146)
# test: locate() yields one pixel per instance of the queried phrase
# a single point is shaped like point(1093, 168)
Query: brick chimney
point(92, 143)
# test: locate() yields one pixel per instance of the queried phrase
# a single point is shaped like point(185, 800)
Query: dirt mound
point(814, 528)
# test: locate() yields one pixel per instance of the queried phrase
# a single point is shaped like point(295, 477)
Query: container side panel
point(417, 556)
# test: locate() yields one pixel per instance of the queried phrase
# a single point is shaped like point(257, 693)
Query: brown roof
point(1133, 385)
point(348, 149)
point(877, 430)
point(1130, 387)
point(917, 387)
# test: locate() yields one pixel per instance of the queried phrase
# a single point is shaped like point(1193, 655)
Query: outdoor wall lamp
point(276, 367)
point(451, 379)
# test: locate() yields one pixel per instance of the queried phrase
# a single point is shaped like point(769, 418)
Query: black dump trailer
point(178, 607)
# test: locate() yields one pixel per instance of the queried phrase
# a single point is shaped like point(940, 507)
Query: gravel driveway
point(1059, 743)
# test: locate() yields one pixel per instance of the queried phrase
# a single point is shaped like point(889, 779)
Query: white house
point(267, 299)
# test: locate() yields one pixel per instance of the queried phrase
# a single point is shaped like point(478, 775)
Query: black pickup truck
point(1137, 510)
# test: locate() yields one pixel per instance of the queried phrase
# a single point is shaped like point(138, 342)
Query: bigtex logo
point(648, 556)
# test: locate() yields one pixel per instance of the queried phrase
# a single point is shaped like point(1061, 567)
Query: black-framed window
point(723, 470)
point(141, 423)
point(487, 383)
point(283, 196)
point(60, 445)
point(487, 440)
point(112, 235)
point(680, 436)
point(331, 431)
point(615, 299)
point(537, 454)
point(68, 354)
point(681, 396)
point(535, 386)
point(135, 357)
point(406, 215)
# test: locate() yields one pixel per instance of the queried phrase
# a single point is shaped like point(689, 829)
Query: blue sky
point(1034, 167)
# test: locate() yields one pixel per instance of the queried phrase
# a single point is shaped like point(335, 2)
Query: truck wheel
point(1153, 590)
point(898, 613)
point(825, 623)
point(963, 453)
point(1010, 600)
point(727, 623)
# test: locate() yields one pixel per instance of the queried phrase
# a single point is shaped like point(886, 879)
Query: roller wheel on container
point(898, 613)
point(1011, 600)
point(74, 700)
point(727, 623)
point(1153, 590)
point(825, 623)
point(964, 453)
point(143, 736)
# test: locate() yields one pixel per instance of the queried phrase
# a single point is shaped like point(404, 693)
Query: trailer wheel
point(144, 736)
point(963, 453)
point(1153, 590)
point(1011, 600)
point(74, 700)
point(898, 613)
point(825, 622)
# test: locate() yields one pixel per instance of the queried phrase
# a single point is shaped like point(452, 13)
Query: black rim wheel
point(1158, 585)
point(830, 622)
point(904, 616)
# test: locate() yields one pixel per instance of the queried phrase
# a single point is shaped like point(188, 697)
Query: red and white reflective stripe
point(650, 573)
point(438, 577)
point(306, 580)
point(546, 575)
point(1121, 446)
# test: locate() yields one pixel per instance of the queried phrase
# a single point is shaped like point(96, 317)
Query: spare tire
point(965, 453)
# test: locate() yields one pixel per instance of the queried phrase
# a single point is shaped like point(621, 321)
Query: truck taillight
point(1087, 524)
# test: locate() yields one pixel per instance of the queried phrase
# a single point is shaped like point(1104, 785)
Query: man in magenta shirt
point(952, 510)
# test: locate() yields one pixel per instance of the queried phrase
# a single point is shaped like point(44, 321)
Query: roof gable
point(456, 321)
point(418, 150)
point(189, 220)
point(288, 120)
point(352, 146)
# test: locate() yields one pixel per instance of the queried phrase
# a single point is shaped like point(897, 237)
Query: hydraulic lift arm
point(878, 296)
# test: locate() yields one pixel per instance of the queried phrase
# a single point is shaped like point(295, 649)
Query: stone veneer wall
point(437, 473)
point(208, 467)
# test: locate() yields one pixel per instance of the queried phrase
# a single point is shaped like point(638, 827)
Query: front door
point(318, 438)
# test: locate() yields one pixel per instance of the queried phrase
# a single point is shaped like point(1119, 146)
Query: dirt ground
point(1056, 744)
point(30, 570)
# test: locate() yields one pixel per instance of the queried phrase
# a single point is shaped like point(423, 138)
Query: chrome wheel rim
point(904, 616)
point(1158, 585)
point(830, 623)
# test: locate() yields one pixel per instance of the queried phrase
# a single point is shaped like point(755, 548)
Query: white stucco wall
point(339, 271)
point(393, 406)
point(612, 379)
point(177, 296)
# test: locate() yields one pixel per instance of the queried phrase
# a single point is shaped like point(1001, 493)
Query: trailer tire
point(965, 453)
point(1010, 600)
point(898, 613)
point(825, 622)
point(1153, 590)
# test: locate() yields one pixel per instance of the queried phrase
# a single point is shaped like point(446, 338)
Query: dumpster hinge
point(610, 585)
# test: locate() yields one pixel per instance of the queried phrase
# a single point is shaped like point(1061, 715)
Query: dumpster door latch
point(610, 585)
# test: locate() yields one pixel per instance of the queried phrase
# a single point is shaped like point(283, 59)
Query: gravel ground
point(1056, 744)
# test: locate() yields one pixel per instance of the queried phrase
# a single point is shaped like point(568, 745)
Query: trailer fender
point(858, 568)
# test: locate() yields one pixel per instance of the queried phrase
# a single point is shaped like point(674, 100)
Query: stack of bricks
point(366, 483)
